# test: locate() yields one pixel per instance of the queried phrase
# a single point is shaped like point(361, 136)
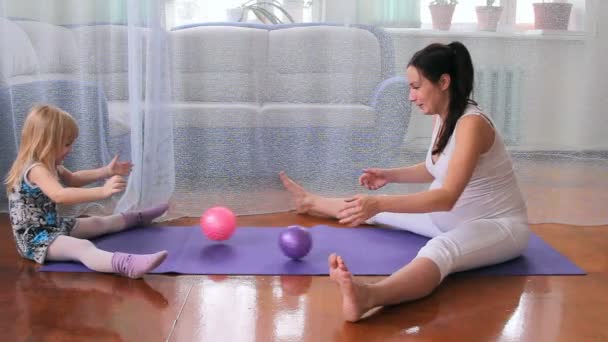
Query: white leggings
point(468, 245)
point(76, 247)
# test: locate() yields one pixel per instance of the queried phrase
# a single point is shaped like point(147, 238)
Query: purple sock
point(136, 265)
point(145, 216)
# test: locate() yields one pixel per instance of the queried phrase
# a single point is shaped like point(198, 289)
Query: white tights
point(468, 245)
point(76, 247)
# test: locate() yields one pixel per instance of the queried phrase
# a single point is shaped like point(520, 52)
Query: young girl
point(34, 186)
point(473, 212)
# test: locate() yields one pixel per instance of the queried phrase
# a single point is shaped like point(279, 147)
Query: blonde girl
point(38, 181)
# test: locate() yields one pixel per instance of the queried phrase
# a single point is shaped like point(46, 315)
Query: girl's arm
point(85, 177)
point(82, 178)
point(474, 136)
point(51, 187)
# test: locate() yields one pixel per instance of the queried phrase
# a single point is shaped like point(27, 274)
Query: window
point(464, 12)
point(184, 12)
point(517, 14)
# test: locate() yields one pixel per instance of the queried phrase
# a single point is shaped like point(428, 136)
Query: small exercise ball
point(295, 242)
point(218, 223)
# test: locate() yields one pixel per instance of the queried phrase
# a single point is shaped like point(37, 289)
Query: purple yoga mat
point(255, 250)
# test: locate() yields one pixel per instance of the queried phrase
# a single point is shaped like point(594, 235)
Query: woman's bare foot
point(354, 294)
point(302, 197)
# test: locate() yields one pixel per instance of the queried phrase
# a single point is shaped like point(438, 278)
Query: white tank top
point(492, 191)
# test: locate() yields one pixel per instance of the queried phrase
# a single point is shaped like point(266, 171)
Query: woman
point(473, 212)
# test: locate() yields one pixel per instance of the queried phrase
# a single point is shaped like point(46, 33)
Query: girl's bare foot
point(302, 197)
point(354, 294)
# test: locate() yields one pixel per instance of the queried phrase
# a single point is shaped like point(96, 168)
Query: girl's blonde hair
point(46, 130)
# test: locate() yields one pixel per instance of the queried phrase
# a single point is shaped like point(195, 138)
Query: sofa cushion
point(198, 115)
point(214, 114)
point(322, 64)
point(316, 115)
point(55, 46)
point(103, 57)
point(18, 54)
point(218, 64)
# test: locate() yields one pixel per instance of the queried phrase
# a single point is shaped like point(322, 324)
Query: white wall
point(594, 122)
point(565, 93)
point(552, 93)
point(565, 98)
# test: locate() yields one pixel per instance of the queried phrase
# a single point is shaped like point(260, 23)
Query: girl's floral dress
point(34, 219)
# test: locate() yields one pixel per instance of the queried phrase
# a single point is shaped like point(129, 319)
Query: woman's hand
point(117, 167)
point(358, 209)
point(373, 179)
point(114, 185)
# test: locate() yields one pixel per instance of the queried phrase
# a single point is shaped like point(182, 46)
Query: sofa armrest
point(391, 102)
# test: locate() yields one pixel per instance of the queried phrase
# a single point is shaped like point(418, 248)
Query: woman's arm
point(409, 174)
point(474, 136)
point(375, 178)
point(412, 174)
point(51, 187)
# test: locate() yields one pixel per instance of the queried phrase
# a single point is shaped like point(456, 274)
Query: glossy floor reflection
point(38, 306)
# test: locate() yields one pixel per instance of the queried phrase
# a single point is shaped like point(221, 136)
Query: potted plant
point(441, 13)
point(488, 16)
point(552, 15)
point(261, 9)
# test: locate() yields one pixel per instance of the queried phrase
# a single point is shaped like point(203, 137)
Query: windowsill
point(524, 35)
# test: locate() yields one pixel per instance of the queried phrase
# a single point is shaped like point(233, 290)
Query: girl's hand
point(373, 179)
point(357, 209)
point(117, 167)
point(114, 185)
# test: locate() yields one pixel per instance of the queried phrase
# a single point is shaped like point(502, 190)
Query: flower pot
point(441, 16)
point(552, 15)
point(488, 17)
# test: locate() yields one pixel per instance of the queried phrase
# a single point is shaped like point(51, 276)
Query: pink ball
point(218, 223)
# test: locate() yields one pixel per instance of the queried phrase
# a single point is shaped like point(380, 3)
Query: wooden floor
point(37, 306)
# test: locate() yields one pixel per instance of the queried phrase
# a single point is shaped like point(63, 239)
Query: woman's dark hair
point(452, 59)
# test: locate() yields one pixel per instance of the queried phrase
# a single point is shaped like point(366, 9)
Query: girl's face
point(65, 150)
point(431, 98)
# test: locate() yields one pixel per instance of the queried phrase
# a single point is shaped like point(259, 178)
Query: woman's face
point(431, 98)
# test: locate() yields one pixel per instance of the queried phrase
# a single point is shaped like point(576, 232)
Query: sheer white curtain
point(105, 62)
point(151, 136)
point(209, 112)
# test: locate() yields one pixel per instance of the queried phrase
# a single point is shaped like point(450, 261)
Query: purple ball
point(295, 242)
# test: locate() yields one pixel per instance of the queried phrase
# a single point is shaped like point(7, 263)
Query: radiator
point(498, 91)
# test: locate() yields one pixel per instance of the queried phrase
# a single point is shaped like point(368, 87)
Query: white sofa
point(275, 88)
point(244, 97)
